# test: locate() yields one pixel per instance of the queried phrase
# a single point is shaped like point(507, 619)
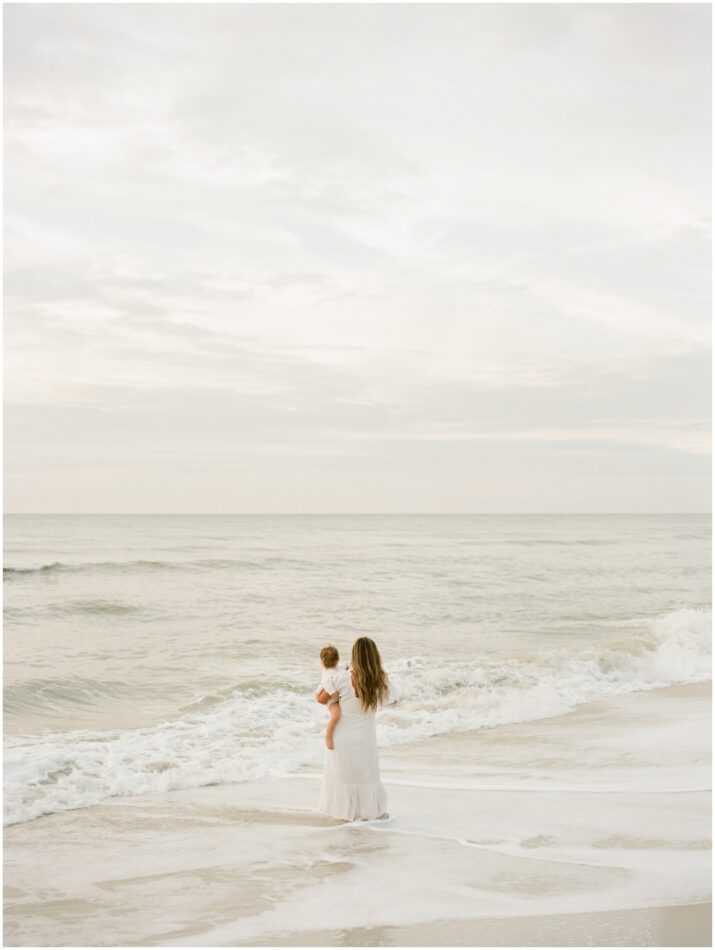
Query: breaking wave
point(268, 727)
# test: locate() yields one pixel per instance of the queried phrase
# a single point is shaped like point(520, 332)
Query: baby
point(330, 683)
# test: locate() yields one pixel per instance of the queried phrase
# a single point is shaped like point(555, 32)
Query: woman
point(351, 786)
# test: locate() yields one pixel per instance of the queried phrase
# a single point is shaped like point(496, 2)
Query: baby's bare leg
point(333, 717)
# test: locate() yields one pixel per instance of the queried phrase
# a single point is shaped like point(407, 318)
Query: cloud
point(370, 231)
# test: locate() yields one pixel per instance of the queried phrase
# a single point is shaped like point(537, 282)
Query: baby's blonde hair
point(329, 657)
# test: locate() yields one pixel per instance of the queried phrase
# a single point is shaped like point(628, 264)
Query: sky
point(357, 258)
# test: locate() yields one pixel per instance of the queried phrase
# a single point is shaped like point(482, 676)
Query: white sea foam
point(676, 649)
point(263, 730)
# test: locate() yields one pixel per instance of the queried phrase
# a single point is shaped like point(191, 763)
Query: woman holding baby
point(351, 787)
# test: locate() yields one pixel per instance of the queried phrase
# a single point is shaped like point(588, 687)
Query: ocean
point(145, 653)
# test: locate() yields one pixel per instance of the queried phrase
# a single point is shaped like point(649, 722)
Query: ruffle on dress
point(340, 800)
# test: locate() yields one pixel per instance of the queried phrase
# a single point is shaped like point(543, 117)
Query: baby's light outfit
point(335, 681)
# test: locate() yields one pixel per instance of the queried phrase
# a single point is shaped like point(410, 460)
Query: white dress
point(351, 787)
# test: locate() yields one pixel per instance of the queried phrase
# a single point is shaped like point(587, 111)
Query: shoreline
point(677, 925)
point(566, 831)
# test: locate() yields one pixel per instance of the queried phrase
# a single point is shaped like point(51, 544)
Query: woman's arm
point(322, 697)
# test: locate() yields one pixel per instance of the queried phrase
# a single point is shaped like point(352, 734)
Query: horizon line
point(352, 514)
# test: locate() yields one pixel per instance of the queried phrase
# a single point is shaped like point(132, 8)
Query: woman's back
point(350, 705)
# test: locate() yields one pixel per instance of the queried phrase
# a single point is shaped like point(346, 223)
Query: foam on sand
point(254, 863)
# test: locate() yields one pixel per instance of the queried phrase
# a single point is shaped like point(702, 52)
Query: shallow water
point(144, 653)
point(603, 809)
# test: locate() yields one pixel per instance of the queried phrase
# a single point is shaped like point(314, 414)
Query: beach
point(547, 765)
point(590, 828)
point(381, 328)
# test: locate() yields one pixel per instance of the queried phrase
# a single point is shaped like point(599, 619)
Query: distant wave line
point(141, 564)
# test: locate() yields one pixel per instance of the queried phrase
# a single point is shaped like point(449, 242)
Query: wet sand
point(589, 829)
point(687, 925)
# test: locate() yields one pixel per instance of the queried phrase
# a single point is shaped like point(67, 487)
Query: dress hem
point(342, 800)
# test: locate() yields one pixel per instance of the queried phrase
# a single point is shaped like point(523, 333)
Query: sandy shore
point(589, 829)
point(687, 925)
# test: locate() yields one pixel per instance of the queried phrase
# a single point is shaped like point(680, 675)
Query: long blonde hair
point(370, 678)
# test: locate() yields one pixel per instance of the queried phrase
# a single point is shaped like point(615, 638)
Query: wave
point(248, 688)
point(111, 607)
point(266, 727)
point(559, 542)
point(47, 693)
point(634, 622)
point(57, 567)
point(42, 696)
point(42, 569)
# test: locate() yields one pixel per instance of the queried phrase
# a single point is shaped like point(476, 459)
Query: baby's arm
point(333, 717)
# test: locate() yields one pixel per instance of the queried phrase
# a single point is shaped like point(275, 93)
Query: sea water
point(153, 652)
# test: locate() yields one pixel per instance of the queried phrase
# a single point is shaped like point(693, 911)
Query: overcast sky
point(357, 258)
